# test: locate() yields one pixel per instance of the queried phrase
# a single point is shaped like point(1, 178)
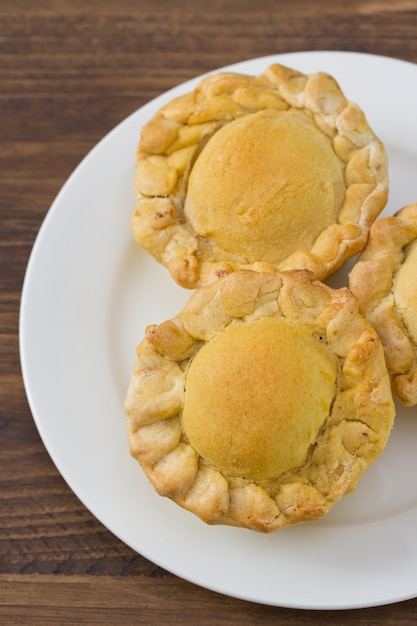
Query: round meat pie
point(277, 170)
point(384, 280)
point(262, 402)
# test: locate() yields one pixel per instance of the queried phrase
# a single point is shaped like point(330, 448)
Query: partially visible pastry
point(278, 170)
point(262, 402)
point(384, 280)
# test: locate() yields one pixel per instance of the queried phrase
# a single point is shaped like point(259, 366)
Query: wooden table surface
point(70, 70)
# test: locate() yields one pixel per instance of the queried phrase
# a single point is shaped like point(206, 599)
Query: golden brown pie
point(384, 280)
point(275, 170)
point(262, 402)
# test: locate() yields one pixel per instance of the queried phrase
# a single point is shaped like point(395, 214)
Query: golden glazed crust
point(241, 415)
point(384, 281)
point(265, 186)
point(273, 213)
point(349, 391)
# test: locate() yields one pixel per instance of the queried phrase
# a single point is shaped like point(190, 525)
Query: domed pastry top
point(258, 421)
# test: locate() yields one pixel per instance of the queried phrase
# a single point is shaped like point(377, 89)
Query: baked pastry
point(276, 170)
point(384, 280)
point(262, 402)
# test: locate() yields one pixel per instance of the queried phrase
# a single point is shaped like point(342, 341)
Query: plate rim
point(31, 267)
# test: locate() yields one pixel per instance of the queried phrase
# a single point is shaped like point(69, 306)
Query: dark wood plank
point(78, 600)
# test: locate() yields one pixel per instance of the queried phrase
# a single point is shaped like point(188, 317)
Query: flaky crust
point(353, 435)
point(373, 280)
point(171, 141)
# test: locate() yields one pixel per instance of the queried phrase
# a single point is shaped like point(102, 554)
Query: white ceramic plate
point(88, 294)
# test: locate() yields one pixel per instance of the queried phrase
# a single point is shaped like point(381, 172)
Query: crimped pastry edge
point(171, 140)
point(372, 279)
point(356, 430)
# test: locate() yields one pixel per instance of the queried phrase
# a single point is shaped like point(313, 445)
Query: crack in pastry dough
point(384, 280)
point(301, 409)
point(275, 170)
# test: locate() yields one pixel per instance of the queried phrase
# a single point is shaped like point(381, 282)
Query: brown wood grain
point(70, 70)
point(101, 600)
